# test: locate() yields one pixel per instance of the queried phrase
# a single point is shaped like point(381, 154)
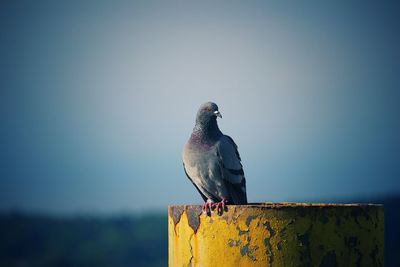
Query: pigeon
point(212, 162)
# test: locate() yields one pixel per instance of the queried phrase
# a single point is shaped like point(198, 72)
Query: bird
point(212, 162)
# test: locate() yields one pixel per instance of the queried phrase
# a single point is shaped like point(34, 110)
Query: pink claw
point(221, 206)
point(208, 206)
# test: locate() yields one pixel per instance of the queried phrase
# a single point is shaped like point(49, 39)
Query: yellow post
point(284, 234)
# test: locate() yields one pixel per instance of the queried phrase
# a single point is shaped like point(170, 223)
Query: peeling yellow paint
point(277, 235)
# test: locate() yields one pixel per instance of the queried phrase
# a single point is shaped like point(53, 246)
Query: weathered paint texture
point(286, 234)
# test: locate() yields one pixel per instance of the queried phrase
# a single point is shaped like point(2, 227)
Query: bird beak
point(217, 113)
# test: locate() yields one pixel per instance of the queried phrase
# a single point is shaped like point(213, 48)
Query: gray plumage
point(212, 162)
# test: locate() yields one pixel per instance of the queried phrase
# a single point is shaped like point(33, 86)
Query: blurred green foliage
point(34, 240)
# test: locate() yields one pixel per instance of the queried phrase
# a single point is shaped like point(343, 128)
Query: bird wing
point(232, 169)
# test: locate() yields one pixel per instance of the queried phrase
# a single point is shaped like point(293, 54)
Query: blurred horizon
point(360, 199)
point(98, 98)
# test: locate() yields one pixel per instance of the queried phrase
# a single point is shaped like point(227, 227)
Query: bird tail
point(238, 193)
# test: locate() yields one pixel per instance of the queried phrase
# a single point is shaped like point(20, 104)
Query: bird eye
point(208, 109)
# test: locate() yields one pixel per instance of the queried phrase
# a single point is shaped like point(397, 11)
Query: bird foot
point(220, 206)
point(208, 206)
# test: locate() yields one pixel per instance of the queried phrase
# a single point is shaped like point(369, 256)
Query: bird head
point(208, 113)
point(209, 110)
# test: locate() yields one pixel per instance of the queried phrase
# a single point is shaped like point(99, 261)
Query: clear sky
point(98, 98)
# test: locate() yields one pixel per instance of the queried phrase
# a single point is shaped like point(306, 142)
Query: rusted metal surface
point(277, 234)
point(193, 214)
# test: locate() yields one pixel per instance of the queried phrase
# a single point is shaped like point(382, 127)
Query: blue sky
point(98, 98)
